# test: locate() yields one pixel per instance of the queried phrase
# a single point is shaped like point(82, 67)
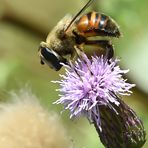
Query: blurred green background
point(23, 24)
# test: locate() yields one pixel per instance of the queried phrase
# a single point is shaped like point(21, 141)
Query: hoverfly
point(74, 32)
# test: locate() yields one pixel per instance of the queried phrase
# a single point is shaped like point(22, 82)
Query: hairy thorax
point(60, 42)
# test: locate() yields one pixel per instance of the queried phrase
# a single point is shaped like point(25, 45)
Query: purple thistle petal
point(91, 82)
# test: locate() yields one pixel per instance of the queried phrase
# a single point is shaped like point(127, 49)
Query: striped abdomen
point(96, 24)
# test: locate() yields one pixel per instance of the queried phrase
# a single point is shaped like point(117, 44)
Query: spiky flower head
point(93, 87)
point(91, 82)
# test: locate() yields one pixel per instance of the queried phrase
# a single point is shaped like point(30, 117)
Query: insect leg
point(103, 44)
point(79, 53)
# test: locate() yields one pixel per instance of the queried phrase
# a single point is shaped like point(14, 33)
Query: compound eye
point(51, 58)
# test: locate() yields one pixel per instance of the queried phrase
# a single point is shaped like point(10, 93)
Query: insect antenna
point(75, 17)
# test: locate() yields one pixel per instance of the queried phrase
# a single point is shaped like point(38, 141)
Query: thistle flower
point(92, 84)
point(88, 83)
